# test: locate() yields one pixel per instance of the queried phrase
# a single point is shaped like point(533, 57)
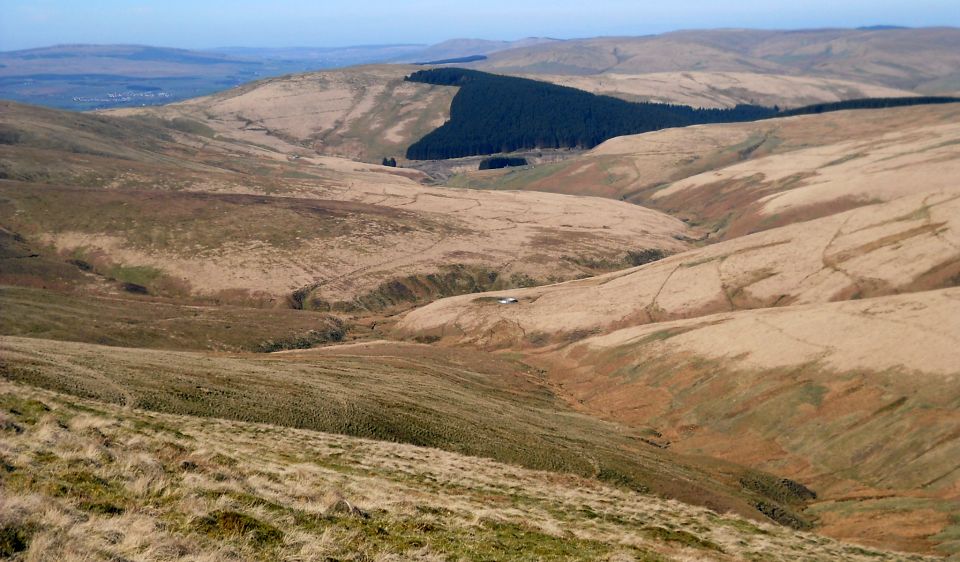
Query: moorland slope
point(733, 179)
point(822, 345)
point(366, 113)
point(799, 370)
point(93, 481)
point(196, 213)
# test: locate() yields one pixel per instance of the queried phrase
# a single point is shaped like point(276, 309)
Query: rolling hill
point(855, 399)
point(709, 68)
point(366, 113)
point(822, 345)
point(208, 318)
point(83, 77)
point(172, 211)
point(723, 68)
point(721, 89)
point(923, 59)
point(733, 179)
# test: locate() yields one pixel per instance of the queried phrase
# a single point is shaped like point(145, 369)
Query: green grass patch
point(91, 492)
point(14, 539)
point(741, 525)
point(141, 275)
point(303, 341)
point(231, 524)
point(23, 409)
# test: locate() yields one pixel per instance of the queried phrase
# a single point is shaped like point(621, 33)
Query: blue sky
point(279, 23)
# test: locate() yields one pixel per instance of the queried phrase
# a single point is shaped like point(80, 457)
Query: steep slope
point(858, 400)
point(77, 475)
point(493, 113)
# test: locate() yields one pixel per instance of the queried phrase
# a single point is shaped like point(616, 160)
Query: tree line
point(494, 114)
point(867, 103)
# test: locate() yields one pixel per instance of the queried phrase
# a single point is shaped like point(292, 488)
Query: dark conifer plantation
point(493, 114)
point(868, 103)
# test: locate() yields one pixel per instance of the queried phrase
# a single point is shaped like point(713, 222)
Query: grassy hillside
point(492, 114)
point(89, 481)
point(906, 245)
point(366, 113)
point(700, 88)
point(466, 402)
point(723, 374)
point(175, 207)
point(856, 399)
point(128, 321)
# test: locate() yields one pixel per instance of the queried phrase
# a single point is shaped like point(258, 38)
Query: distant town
point(116, 98)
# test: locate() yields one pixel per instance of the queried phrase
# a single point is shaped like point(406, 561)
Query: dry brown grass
point(461, 401)
point(735, 179)
point(132, 321)
point(835, 395)
point(917, 59)
point(856, 399)
point(908, 244)
point(89, 481)
point(228, 207)
point(722, 89)
point(366, 113)
point(214, 216)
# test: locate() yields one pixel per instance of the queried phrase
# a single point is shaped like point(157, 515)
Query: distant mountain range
point(925, 60)
point(921, 60)
point(105, 76)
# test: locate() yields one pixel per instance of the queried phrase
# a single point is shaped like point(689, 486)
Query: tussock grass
point(277, 499)
point(458, 400)
point(221, 524)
